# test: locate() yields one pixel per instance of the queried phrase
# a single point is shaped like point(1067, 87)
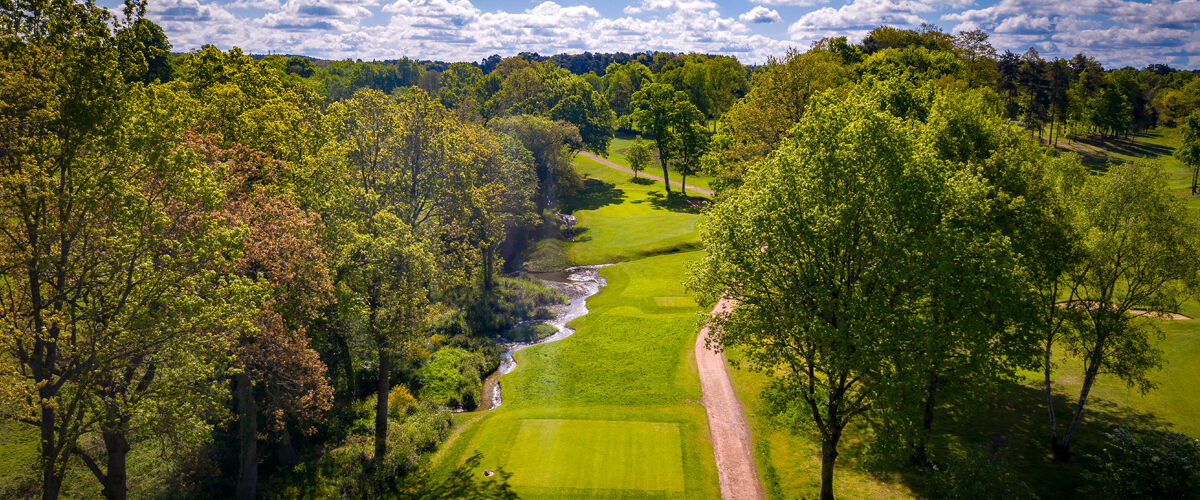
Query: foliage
point(860, 187)
point(639, 155)
point(1189, 147)
point(1147, 463)
point(675, 123)
point(451, 377)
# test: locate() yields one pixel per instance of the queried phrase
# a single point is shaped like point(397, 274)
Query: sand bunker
point(1135, 312)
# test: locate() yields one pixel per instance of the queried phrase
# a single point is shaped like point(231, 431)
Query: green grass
point(616, 154)
point(623, 455)
point(619, 220)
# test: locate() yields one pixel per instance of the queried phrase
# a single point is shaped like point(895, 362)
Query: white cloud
point(1115, 31)
point(792, 3)
point(760, 14)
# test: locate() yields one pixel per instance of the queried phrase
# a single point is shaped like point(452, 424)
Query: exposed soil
point(607, 163)
point(732, 447)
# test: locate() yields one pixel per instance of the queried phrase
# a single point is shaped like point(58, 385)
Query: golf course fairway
point(612, 411)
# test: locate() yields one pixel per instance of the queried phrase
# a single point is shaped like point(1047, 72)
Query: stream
point(576, 284)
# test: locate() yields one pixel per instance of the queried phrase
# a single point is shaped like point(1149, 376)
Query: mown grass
point(619, 220)
point(1014, 422)
point(627, 371)
point(620, 145)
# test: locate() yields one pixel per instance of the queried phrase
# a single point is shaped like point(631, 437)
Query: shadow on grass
point(677, 202)
point(1013, 428)
point(594, 194)
point(642, 181)
point(1097, 152)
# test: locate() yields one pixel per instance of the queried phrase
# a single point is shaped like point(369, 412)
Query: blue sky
point(1117, 32)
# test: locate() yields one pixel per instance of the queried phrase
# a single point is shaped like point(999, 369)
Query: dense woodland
point(276, 276)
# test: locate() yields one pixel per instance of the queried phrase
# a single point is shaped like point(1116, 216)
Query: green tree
point(114, 302)
point(669, 116)
point(1141, 249)
point(857, 187)
point(755, 124)
point(1189, 146)
point(639, 155)
point(552, 144)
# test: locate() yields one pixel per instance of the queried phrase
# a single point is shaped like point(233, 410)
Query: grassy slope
point(1017, 419)
point(616, 154)
point(619, 220)
point(627, 369)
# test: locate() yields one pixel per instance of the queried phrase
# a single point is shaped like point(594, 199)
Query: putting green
point(597, 454)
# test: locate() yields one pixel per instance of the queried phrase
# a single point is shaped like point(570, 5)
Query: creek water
point(576, 284)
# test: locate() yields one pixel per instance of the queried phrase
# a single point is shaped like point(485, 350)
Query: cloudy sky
point(1117, 32)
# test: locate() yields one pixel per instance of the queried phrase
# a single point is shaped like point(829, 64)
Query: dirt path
point(732, 447)
point(607, 163)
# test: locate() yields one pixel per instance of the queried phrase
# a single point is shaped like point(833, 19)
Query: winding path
point(607, 163)
point(732, 447)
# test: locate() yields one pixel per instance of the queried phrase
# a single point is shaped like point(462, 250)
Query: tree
point(1141, 249)
point(854, 187)
point(622, 81)
point(755, 124)
point(1189, 146)
point(552, 144)
point(666, 113)
point(407, 177)
point(114, 301)
point(638, 155)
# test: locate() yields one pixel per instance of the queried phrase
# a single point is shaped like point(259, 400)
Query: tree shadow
point(642, 181)
point(594, 194)
point(1013, 426)
point(677, 202)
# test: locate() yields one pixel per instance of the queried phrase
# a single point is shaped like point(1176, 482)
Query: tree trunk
point(683, 185)
point(666, 175)
point(116, 448)
point(920, 454)
point(828, 457)
point(1048, 390)
point(51, 479)
point(248, 438)
point(1195, 174)
point(489, 257)
point(1088, 379)
point(381, 405)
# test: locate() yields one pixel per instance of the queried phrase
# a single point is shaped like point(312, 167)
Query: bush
point(531, 332)
point(400, 401)
point(976, 474)
point(512, 301)
point(453, 377)
point(1147, 463)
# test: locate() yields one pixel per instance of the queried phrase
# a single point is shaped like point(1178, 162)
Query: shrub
point(976, 474)
point(452, 377)
point(1147, 463)
point(400, 401)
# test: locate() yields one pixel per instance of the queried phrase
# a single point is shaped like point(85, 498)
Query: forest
point(234, 275)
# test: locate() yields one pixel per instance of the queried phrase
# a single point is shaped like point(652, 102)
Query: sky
point(1116, 32)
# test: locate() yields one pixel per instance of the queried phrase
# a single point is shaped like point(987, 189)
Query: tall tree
point(857, 188)
point(1189, 146)
point(1141, 249)
point(669, 116)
